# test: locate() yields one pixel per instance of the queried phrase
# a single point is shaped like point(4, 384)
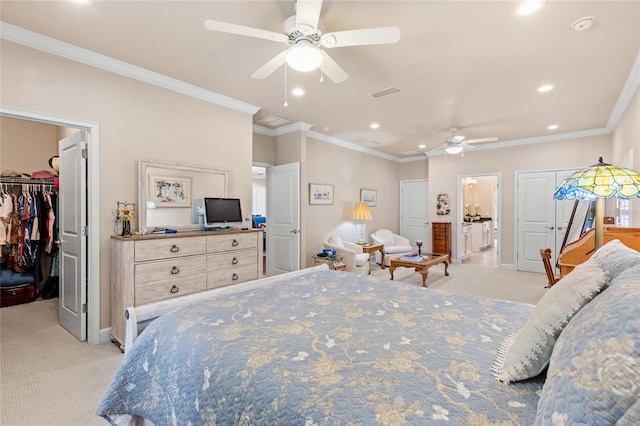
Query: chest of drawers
point(152, 268)
point(441, 238)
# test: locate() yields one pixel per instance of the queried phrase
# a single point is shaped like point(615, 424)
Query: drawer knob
point(235, 242)
point(175, 270)
point(174, 289)
point(175, 249)
point(235, 277)
point(234, 261)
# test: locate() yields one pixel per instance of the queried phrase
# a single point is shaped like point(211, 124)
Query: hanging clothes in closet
point(28, 234)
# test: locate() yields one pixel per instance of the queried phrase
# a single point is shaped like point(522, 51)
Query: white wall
point(137, 121)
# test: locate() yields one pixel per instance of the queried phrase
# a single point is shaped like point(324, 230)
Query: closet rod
point(26, 180)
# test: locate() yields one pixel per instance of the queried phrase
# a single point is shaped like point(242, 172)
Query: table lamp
point(362, 213)
point(599, 182)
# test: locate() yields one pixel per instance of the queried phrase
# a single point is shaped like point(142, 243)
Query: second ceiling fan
point(304, 37)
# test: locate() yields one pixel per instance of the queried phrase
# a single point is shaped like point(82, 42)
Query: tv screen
point(221, 212)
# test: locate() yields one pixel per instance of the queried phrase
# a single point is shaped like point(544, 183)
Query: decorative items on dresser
point(154, 267)
point(441, 238)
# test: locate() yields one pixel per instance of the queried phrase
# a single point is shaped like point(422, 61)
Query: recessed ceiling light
point(374, 126)
point(553, 127)
point(297, 91)
point(545, 88)
point(528, 7)
point(423, 146)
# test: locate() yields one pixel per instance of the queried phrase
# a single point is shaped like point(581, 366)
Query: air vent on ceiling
point(272, 121)
point(384, 92)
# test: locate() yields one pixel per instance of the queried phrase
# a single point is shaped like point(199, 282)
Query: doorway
point(479, 201)
point(93, 211)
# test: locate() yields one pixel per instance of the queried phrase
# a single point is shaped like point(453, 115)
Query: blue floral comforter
point(326, 348)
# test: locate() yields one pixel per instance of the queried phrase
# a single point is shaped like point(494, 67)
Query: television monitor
point(222, 213)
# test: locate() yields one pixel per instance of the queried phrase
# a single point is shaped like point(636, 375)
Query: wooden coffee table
point(428, 260)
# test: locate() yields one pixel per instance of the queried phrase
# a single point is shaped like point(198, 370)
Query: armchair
point(394, 245)
point(354, 258)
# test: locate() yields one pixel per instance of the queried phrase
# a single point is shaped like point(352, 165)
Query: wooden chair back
point(545, 254)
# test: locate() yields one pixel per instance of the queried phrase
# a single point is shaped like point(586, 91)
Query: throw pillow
point(526, 353)
point(615, 258)
point(594, 371)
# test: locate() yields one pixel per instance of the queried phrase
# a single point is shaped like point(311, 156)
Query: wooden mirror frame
point(144, 165)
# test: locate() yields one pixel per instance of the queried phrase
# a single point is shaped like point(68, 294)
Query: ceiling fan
point(455, 144)
point(304, 37)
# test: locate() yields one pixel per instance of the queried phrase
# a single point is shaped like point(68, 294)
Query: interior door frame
point(94, 335)
point(460, 216)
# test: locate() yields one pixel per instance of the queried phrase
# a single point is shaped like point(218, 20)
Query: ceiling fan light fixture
point(304, 57)
point(453, 149)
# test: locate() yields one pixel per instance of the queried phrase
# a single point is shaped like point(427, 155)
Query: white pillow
point(526, 353)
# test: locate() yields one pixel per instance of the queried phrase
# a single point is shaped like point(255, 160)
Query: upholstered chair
point(394, 245)
point(354, 258)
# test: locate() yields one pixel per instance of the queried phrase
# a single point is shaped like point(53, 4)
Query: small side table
point(370, 248)
point(334, 262)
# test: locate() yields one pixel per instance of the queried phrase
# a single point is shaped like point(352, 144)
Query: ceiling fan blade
point(307, 15)
point(382, 35)
point(245, 31)
point(332, 70)
point(481, 140)
point(268, 68)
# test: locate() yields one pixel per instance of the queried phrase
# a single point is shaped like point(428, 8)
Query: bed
point(327, 347)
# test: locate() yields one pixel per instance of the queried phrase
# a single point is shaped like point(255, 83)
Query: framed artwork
point(320, 193)
point(369, 196)
point(169, 191)
point(443, 204)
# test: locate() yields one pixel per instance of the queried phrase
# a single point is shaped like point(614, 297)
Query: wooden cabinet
point(156, 267)
point(441, 238)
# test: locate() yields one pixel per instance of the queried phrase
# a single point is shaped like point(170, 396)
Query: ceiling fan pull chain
point(286, 104)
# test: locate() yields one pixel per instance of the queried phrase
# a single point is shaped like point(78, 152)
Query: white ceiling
point(470, 64)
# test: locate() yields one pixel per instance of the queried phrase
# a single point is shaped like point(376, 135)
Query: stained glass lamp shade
point(599, 182)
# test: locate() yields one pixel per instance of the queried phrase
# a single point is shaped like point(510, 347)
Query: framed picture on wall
point(320, 193)
point(369, 196)
point(169, 191)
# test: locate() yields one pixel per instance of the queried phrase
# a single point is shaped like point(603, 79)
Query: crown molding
point(628, 90)
point(69, 51)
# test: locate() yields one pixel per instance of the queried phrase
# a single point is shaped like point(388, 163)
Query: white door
point(536, 218)
point(542, 220)
point(73, 242)
point(413, 210)
point(283, 219)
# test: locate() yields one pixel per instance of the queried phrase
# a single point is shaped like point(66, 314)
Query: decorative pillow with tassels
point(526, 353)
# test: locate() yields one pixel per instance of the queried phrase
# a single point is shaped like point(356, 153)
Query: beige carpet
point(47, 377)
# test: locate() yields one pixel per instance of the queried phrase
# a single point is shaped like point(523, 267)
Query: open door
point(73, 241)
point(283, 219)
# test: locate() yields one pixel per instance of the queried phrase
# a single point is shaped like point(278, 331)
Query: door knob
point(549, 227)
point(295, 231)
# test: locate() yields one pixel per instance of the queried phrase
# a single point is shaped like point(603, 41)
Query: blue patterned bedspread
point(328, 348)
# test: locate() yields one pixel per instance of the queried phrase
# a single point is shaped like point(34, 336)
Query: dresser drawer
point(155, 281)
point(231, 276)
point(231, 260)
point(169, 248)
point(220, 243)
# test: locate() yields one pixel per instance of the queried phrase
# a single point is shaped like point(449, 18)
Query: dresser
point(155, 267)
point(441, 238)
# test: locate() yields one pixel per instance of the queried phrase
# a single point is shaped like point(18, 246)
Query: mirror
point(169, 194)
